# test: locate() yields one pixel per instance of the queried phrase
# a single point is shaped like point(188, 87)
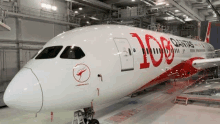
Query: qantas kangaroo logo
point(81, 73)
point(165, 47)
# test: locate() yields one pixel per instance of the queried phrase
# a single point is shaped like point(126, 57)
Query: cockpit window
point(49, 52)
point(72, 53)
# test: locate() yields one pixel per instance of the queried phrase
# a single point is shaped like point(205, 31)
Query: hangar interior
point(26, 25)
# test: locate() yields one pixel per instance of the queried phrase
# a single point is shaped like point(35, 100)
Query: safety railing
point(2, 14)
point(41, 13)
point(130, 12)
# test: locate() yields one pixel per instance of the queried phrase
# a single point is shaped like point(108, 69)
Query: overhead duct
point(216, 3)
point(81, 4)
point(214, 9)
point(96, 3)
point(201, 1)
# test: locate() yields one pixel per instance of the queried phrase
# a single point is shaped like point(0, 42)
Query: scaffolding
point(41, 13)
point(3, 26)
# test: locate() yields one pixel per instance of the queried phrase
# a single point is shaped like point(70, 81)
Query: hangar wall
point(215, 36)
point(26, 37)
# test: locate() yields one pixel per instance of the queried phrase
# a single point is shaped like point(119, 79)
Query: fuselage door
point(125, 53)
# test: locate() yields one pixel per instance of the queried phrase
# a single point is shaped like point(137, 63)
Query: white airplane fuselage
point(117, 62)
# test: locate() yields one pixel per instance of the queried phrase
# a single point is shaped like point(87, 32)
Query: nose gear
point(84, 116)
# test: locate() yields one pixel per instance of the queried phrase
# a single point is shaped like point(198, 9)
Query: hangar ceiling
point(170, 11)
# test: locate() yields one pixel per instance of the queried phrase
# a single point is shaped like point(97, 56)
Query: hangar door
point(125, 53)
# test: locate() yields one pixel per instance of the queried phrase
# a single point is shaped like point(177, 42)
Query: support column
point(152, 20)
point(216, 74)
point(199, 30)
point(18, 39)
point(141, 23)
point(19, 45)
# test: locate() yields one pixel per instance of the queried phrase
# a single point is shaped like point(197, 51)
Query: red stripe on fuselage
point(184, 69)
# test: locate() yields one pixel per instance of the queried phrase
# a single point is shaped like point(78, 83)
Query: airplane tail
point(208, 32)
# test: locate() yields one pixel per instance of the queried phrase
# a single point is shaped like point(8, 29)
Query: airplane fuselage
point(118, 61)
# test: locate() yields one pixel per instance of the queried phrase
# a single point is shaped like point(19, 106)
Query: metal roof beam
point(96, 3)
point(214, 9)
point(192, 12)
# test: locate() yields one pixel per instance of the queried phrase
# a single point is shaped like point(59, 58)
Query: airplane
point(88, 66)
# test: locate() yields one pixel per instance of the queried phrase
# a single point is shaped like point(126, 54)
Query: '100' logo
point(166, 45)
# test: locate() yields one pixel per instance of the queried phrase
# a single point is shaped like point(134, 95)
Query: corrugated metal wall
point(31, 35)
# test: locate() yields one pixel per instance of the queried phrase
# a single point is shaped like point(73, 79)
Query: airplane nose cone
point(24, 92)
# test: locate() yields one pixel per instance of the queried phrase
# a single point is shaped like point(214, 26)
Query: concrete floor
point(151, 107)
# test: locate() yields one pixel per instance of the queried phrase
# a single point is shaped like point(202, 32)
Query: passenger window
point(49, 52)
point(147, 51)
point(157, 50)
point(72, 53)
point(143, 51)
point(150, 50)
point(154, 50)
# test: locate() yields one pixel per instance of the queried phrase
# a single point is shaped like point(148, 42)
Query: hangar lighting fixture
point(188, 19)
point(48, 6)
point(133, 0)
point(160, 3)
point(168, 18)
point(177, 10)
point(167, 4)
point(76, 12)
point(94, 18)
point(80, 8)
point(43, 5)
point(209, 6)
point(54, 8)
point(87, 22)
point(147, 3)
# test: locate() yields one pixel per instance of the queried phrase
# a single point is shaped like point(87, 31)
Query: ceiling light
point(209, 6)
point(188, 19)
point(94, 18)
point(80, 8)
point(147, 3)
point(168, 18)
point(48, 6)
point(54, 8)
point(76, 11)
point(214, 15)
point(177, 10)
point(87, 22)
point(133, 0)
point(43, 5)
point(167, 4)
point(160, 3)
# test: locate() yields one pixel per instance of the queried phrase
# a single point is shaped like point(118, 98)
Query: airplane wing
point(206, 63)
